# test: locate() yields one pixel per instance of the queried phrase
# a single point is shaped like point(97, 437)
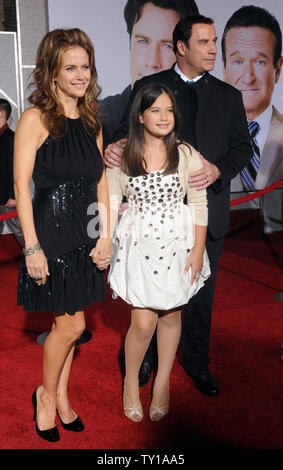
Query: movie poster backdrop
point(122, 58)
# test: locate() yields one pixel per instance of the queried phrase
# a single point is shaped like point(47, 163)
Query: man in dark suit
point(212, 120)
point(7, 196)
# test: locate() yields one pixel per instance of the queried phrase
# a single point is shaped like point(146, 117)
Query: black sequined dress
point(65, 175)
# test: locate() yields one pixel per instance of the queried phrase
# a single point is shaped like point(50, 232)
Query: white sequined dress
point(152, 242)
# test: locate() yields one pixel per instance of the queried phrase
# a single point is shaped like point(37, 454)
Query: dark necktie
point(248, 174)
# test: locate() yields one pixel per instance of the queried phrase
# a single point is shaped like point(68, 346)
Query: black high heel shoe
point(51, 435)
point(76, 426)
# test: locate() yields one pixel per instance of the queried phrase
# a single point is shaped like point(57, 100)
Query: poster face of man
point(252, 63)
point(151, 47)
point(250, 66)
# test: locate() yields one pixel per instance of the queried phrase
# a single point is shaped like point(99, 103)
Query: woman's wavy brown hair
point(43, 96)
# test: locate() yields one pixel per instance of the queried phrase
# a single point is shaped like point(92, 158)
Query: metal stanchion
point(84, 338)
point(41, 338)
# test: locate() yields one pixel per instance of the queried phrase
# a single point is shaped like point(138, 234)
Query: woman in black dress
point(58, 143)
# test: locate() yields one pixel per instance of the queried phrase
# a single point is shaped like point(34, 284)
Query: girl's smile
point(158, 120)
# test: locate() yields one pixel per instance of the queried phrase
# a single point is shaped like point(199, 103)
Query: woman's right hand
point(37, 266)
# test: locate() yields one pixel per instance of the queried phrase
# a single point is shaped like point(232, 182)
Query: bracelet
point(33, 249)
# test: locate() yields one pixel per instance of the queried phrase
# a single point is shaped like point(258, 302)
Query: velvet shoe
point(51, 435)
point(75, 426)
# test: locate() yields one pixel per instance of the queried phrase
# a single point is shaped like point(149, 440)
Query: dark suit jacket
point(220, 134)
point(6, 165)
point(112, 111)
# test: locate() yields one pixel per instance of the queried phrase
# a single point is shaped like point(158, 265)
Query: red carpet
point(246, 348)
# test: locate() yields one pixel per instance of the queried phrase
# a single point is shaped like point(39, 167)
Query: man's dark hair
point(5, 106)
point(254, 16)
point(132, 10)
point(183, 29)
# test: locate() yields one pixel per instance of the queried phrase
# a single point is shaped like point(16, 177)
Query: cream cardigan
point(189, 161)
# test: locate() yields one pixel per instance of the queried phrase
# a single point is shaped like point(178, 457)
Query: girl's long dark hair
point(133, 163)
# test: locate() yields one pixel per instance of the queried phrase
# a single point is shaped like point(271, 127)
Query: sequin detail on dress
point(63, 210)
point(66, 173)
point(152, 242)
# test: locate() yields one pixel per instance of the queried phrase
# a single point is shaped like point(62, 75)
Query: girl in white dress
point(159, 259)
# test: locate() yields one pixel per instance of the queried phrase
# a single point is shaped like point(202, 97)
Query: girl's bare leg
point(168, 337)
point(143, 323)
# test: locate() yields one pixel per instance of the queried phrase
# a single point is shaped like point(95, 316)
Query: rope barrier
point(240, 200)
point(256, 194)
point(8, 215)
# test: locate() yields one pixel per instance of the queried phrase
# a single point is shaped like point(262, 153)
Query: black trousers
point(195, 338)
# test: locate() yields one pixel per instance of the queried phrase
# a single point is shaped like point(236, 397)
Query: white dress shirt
point(184, 77)
point(263, 120)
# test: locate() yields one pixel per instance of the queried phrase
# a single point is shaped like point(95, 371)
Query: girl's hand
point(194, 262)
point(37, 266)
point(101, 254)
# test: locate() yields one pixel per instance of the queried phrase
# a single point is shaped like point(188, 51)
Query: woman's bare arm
point(30, 133)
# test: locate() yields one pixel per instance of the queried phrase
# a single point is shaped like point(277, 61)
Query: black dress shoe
point(51, 435)
point(76, 426)
point(145, 373)
point(206, 384)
